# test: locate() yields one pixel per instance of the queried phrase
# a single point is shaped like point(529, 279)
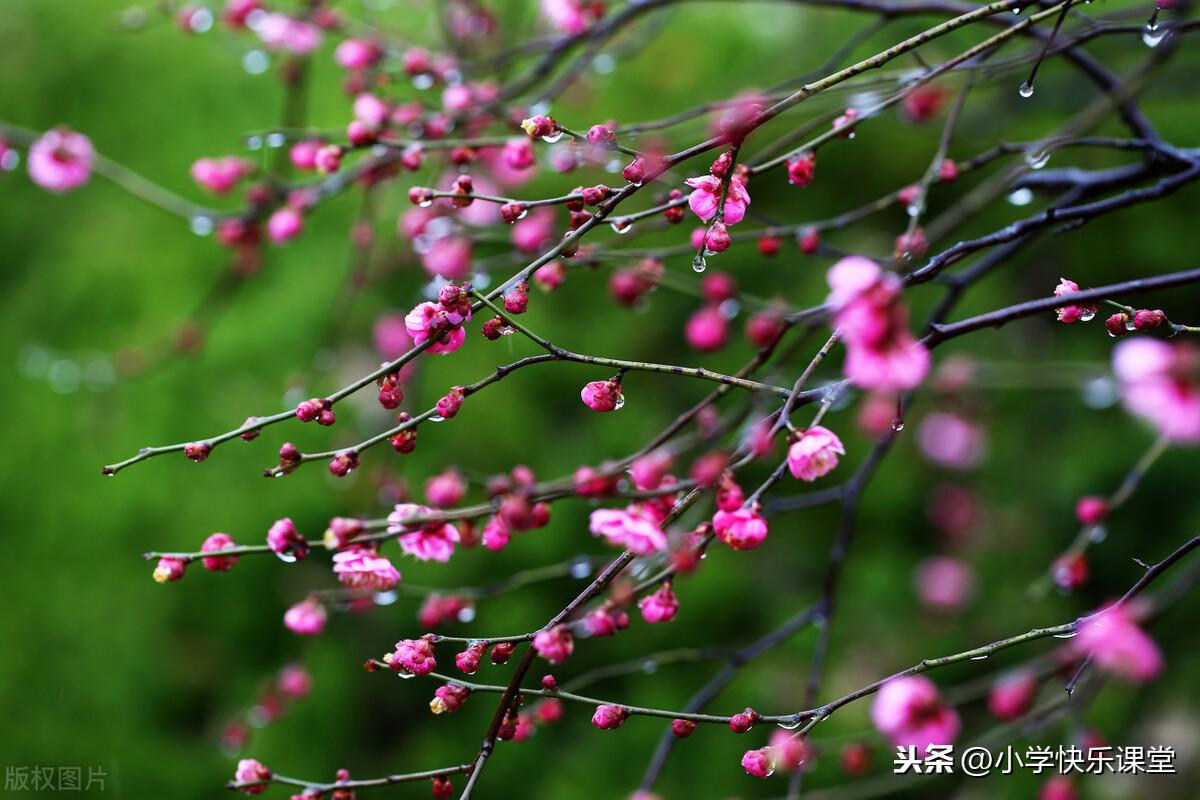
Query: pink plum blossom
point(306, 618)
point(635, 528)
point(951, 441)
point(218, 541)
point(429, 320)
point(250, 770)
point(706, 195)
point(360, 567)
point(649, 470)
point(1160, 381)
point(445, 489)
point(742, 529)
point(448, 257)
point(414, 656)
point(602, 396)
point(568, 16)
point(356, 54)
point(285, 224)
point(1012, 695)
point(707, 330)
point(1119, 646)
point(814, 453)
point(910, 713)
point(554, 644)
point(662, 606)
point(219, 175)
point(281, 32)
point(944, 583)
point(425, 541)
point(61, 160)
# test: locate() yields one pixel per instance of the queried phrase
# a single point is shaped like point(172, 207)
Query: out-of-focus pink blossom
point(649, 470)
point(634, 528)
point(61, 160)
point(448, 257)
point(1119, 646)
point(554, 644)
point(569, 16)
point(662, 606)
point(951, 441)
point(1160, 381)
point(910, 713)
point(944, 583)
point(707, 330)
point(1012, 695)
point(219, 175)
point(356, 54)
point(445, 489)
point(281, 32)
point(306, 618)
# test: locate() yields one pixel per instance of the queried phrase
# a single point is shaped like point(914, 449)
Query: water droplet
point(10, 160)
point(898, 424)
point(620, 403)
point(386, 598)
point(603, 64)
point(466, 614)
point(201, 20)
point(729, 308)
point(437, 418)
point(622, 226)
point(1098, 533)
point(915, 208)
point(699, 264)
point(1070, 635)
point(254, 142)
point(524, 213)
point(1153, 36)
point(276, 139)
point(425, 203)
point(1017, 10)
point(1026, 90)
point(287, 557)
point(422, 81)
point(201, 225)
point(1037, 160)
point(256, 62)
point(790, 726)
point(1129, 326)
point(1021, 197)
point(980, 658)
point(551, 138)
point(1087, 314)
point(581, 568)
point(405, 674)
point(649, 666)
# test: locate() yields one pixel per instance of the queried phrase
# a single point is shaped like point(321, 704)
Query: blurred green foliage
point(104, 667)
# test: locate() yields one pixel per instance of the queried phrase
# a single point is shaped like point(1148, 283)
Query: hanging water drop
point(1087, 314)
point(1021, 197)
point(1037, 160)
point(437, 418)
point(1098, 534)
point(1026, 90)
point(699, 264)
point(621, 226)
point(276, 139)
point(201, 225)
point(898, 424)
point(405, 674)
point(254, 142)
point(551, 138)
point(287, 557)
point(620, 402)
point(980, 658)
point(1152, 36)
point(425, 203)
point(915, 209)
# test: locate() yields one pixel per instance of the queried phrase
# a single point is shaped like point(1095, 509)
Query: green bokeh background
point(102, 667)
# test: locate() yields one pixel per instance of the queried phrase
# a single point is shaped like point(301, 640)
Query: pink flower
point(218, 541)
point(568, 16)
point(608, 718)
point(800, 169)
point(706, 195)
point(356, 54)
point(304, 154)
point(601, 622)
point(306, 618)
point(910, 713)
point(662, 606)
point(943, 583)
point(370, 109)
point(412, 655)
point(743, 529)
point(649, 470)
point(219, 175)
point(496, 534)
point(533, 232)
point(169, 569)
point(951, 441)
point(360, 567)
point(285, 224)
point(430, 320)
point(1118, 646)
point(518, 153)
point(448, 257)
point(814, 453)
point(603, 396)
point(285, 541)
point(633, 528)
point(1160, 381)
point(554, 644)
point(430, 541)
point(391, 337)
point(758, 762)
point(788, 752)
point(1012, 695)
point(881, 353)
point(61, 160)
point(1069, 314)
point(1091, 510)
point(294, 681)
point(707, 329)
point(252, 771)
point(445, 489)
point(281, 32)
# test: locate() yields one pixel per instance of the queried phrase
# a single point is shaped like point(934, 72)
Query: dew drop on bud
point(437, 418)
point(287, 557)
point(620, 403)
point(1026, 90)
point(551, 138)
point(621, 226)
point(699, 264)
point(425, 203)
point(1087, 315)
